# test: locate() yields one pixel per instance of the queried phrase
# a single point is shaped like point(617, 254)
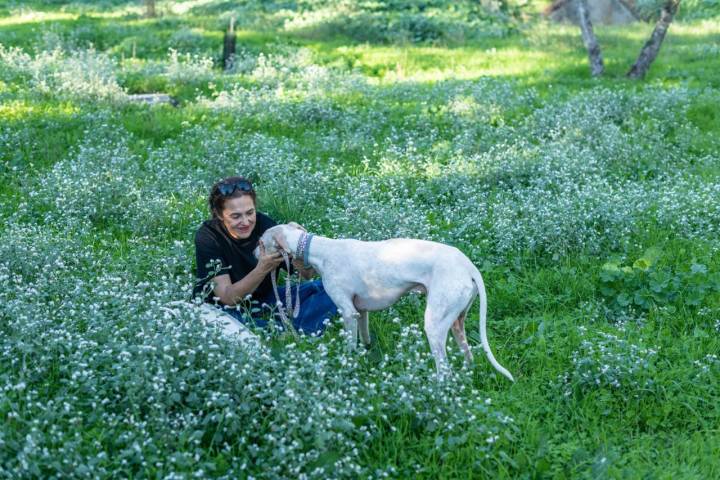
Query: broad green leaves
point(646, 284)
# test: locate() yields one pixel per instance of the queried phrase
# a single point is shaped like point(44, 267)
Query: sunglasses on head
point(226, 189)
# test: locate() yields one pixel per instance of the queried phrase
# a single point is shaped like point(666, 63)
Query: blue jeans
point(315, 307)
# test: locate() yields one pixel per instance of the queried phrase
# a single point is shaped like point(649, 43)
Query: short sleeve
point(209, 258)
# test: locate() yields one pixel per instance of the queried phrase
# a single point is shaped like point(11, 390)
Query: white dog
point(367, 276)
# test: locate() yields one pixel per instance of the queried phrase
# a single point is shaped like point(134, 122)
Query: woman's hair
point(231, 187)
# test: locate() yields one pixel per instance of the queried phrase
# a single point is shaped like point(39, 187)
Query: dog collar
point(306, 250)
point(303, 248)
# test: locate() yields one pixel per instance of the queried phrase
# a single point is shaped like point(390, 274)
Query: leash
point(288, 309)
point(302, 251)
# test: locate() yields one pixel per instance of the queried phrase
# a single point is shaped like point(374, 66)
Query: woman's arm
point(230, 293)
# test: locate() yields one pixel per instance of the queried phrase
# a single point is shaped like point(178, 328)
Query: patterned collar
point(303, 248)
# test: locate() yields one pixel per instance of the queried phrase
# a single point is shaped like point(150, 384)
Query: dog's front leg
point(343, 299)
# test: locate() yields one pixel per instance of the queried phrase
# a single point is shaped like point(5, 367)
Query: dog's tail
point(480, 285)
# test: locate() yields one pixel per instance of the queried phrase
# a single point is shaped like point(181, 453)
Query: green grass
point(537, 300)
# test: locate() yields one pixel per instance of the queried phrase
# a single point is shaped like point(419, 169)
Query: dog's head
point(280, 238)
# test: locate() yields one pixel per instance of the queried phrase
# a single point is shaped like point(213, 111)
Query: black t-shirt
point(214, 246)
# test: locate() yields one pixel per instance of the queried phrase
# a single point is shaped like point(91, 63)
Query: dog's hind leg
point(364, 328)
point(444, 310)
point(458, 330)
point(438, 320)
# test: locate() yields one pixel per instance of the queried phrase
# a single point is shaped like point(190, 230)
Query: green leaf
point(698, 268)
point(651, 255)
point(609, 276)
point(607, 291)
point(642, 298)
point(659, 280)
point(610, 266)
point(695, 297)
point(642, 264)
point(623, 300)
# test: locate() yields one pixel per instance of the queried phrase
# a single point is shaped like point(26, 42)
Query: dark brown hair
point(217, 199)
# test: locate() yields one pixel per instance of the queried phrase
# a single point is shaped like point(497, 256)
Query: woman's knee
point(315, 286)
point(310, 289)
point(326, 303)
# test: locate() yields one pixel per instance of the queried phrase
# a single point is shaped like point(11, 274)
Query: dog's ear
point(297, 225)
point(280, 242)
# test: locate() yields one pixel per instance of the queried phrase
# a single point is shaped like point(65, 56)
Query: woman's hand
point(268, 262)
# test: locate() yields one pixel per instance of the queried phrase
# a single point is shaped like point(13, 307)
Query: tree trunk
point(229, 46)
point(589, 39)
point(652, 46)
point(150, 8)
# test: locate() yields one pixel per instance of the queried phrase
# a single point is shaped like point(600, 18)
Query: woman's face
point(239, 216)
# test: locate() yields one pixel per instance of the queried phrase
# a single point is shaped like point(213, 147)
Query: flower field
point(591, 207)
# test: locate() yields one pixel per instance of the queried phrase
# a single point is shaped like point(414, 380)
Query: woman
point(228, 272)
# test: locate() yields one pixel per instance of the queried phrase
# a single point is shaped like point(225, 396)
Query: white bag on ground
point(231, 327)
